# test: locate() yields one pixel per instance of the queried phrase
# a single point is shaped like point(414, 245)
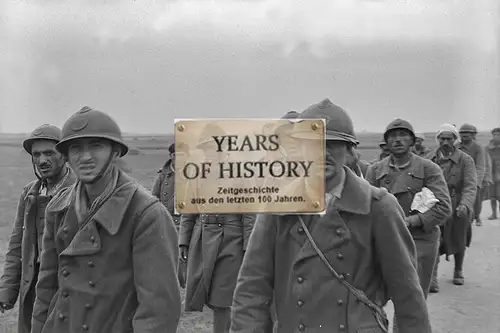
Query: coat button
point(300, 230)
point(220, 225)
point(85, 327)
point(65, 230)
point(341, 327)
point(92, 239)
point(65, 273)
point(340, 256)
point(61, 316)
point(341, 276)
point(301, 327)
point(339, 231)
point(300, 304)
point(91, 284)
point(65, 293)
point(300, 279)
point(90, 263)
point(340, 302)
point(88, 306)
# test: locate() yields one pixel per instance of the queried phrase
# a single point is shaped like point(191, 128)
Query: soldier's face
point(48, 161)
point(496, 136)
point(446, 141)
point(418, 142)
point(466, 137)
point(89, 156)
point(399, 141)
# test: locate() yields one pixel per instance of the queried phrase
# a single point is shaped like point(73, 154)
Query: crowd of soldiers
point(91, 250)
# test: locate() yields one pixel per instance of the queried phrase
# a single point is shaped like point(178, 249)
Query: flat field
point(148, 155)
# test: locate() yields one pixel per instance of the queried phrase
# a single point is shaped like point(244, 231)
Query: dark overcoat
point(20, 271)
point(117, 274)
point(216, 246)
point(363, 236)
point(461, 179)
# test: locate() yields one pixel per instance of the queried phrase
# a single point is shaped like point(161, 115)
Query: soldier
point(469, 145)
point(404, 174)
point(494, 190)
point(460, 174)
point(213, 246)
point(110, 250)
point(22, 261)
point(419, 149)
point(360, 241)
point(356, 164)
point(164, 189)
point(385, 150)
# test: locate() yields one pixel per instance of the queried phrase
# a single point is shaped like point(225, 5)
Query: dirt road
point(475, 306)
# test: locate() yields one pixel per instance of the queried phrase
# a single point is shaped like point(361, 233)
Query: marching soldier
point(110, 250)
point(213, 246)
point(385, 151)
point(164, 189)
point(357, 165)
point(361, 241)
point(22, 261)
point(419, 149)
point(460, 174)
point(404, 174)
point(494, 190)
point(469, 145)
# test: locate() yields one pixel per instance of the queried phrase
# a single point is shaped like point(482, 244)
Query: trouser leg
point(493, 203)
point(435, 281)
point(478, 204)
point(458, 277)
point(427, 255)
point(222, 319)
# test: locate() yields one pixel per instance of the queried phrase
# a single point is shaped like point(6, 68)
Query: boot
point(458, 278)
point(479, 222)
point(493, 209)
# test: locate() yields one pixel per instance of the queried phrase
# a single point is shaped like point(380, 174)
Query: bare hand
point(184, 253)
point(5, 307)
point(462, 211)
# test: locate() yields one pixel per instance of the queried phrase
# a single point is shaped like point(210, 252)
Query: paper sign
point(249, 166)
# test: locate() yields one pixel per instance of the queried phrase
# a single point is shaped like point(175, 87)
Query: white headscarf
point(448, 128)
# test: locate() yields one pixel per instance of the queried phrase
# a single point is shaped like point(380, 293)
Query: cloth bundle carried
point(423, 201)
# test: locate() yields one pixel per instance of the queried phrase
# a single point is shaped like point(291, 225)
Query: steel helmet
point(495, 130)
point(287, 126)
point(420, 135)
point(339, 126)
point(43, 132)
point(399, 124)
point(382, 144)
point(468, 128)
point(207, 134)
point(90, 123)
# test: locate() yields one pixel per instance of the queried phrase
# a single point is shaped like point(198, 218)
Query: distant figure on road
point(361, 244)
point(109, 259)
point(419, 149)
point(164, 189)
point(494, 190)
point(460, 174)
point(22, 261)
point(469, 145)
point(405, 174)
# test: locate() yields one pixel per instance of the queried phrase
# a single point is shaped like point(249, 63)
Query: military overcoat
point(117, 274)
point(364, 238)
point(20, 272)
point(216, 246)
point(461, 178)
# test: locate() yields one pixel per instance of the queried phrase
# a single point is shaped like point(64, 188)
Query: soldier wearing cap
point(213, 245)
point(405, 174)
point(384, 152)
point(164, 189)
point(363, 239)
point(494, 190)
point(22, 260)
point(110, 252)
point(469, 145)
point(419, 149)
point(460, 174)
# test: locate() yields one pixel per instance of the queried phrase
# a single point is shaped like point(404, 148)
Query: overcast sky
point(146, 63)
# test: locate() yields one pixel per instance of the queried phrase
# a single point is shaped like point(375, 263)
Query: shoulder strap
point(378, 312)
